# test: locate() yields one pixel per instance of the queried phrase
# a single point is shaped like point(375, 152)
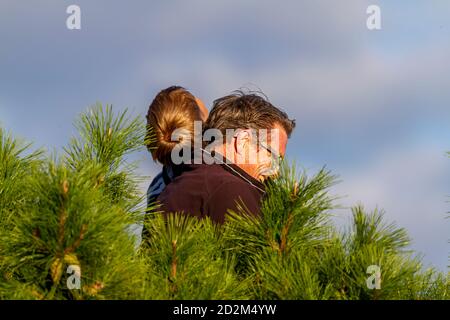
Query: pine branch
point(186, 260)
point(293, 215)
point(75, 211)
point(16, 163)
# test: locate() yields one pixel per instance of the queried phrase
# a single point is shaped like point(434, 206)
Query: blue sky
point(371, 105)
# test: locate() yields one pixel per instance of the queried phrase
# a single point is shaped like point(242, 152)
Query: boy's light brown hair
point(173, 108)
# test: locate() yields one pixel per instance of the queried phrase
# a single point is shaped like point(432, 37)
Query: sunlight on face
point(270, 153)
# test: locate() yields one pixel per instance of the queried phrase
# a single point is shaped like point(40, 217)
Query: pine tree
point(15, 169)
point(75, 209)
point(75, 212)
point(448, 154)
point(293, 252)
point(186, 260)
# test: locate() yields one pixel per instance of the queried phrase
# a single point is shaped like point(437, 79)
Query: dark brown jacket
point(211, 190)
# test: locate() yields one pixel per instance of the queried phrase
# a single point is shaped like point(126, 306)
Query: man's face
point(266, 153)
point(270, 153)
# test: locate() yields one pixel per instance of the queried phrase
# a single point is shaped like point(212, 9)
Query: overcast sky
point(374, 106)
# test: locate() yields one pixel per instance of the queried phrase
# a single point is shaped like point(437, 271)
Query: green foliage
point(76, 210)
point(186, 260)
point(69, 221)
point(293, 252)
point(15, 168)
point(105, 140)
point(294, 215)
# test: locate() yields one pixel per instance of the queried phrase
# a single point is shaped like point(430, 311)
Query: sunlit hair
point(247, 110)
point(173, 108)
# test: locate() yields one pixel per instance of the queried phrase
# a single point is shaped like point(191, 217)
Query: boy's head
point(172, 108)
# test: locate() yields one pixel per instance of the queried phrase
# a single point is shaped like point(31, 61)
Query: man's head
point(259, 131)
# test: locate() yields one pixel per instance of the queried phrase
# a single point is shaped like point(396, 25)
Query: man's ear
point(242, 142)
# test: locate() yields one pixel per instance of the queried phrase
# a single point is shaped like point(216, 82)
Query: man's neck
point(226, 154)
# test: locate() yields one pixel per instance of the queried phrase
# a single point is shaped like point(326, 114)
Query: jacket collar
point(229, 167)
point(240, 173)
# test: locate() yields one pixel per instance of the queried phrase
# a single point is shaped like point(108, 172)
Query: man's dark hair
point(252, 110)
